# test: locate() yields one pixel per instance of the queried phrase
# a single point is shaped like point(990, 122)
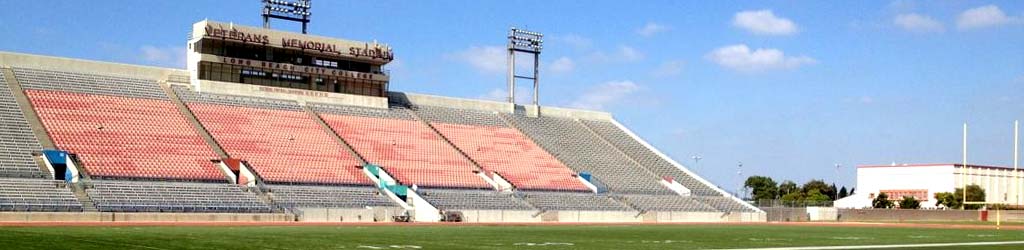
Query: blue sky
point(788, 88)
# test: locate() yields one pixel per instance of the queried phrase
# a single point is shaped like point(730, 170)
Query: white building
point(922, 181)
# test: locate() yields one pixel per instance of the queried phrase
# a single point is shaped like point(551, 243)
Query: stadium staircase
point(617, 149)
point(191, 117)
point(78, 189)
point(26, 108)
point(452, 145)
point(337, 138)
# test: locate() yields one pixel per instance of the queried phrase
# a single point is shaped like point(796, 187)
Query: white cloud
point(742, 58)
point(764, 22)
point(623, 54)
point(918, 23)
point(501, 95)
point(867, 100)
point(981, 17)
point(486, 59)
point(630, 54)
point(602, 95)
point(562, 65)
point(168, 56)
point(650, 29)
point(668, 68)
point(575, 41)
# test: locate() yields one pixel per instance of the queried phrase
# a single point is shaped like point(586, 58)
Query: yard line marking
point(989, 243)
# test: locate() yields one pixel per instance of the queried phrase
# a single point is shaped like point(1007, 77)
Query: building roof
point(905, 165)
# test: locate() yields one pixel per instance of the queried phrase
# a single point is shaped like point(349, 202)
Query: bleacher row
point(128, 133)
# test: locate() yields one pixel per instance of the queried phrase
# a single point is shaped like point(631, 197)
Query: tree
point(816, 198)
point(881, 201)
point(909, 202)
point(788, 187)
point(843, 193)
point(763, 188)
point(852, 191)
point(974, 193)
point(819, 185)
point(792, 198)
point(947, 199)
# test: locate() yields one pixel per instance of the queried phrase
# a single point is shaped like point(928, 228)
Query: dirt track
point(334, 224)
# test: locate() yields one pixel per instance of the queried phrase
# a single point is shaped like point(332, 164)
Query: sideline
point(926, 245)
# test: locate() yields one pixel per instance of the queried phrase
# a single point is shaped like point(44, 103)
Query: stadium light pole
point(1016, 158)
point(739, 175)
point(696, 160)
point(838, 179)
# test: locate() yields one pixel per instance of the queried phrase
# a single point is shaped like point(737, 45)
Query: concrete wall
point(499, 216)
point(575, 113)
point(140, 217)
point(10, 59)
point(301, 96)
point(347, 214)
point(786, 214)
point(460, 103)
point(907, 215)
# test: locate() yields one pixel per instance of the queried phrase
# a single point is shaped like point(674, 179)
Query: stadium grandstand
point(273, 125)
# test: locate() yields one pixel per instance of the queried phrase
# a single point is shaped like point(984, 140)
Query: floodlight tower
point(291, 10)
point(526, 42)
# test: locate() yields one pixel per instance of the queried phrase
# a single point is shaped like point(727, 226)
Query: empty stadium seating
point(16, 139)
point(409, 150)
point(88, 83)
point(283, 143)
point(667, 203)
point(573, 201)
point(146, 196)
point(455, 199)
point(571, 142)
point(117, 136)
point(648, 158)
point(724, 204)
point(36, 195)
point(328, 196)
point(486, 139)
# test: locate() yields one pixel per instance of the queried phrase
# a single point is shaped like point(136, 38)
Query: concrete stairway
point(79, 190)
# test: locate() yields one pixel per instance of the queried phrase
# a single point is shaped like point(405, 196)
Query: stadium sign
point(301, 69)
point(234, 34)
point(322, 45)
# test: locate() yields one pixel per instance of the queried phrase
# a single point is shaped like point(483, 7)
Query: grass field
point(698, 236)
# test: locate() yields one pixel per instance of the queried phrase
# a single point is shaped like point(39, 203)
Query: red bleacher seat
point(407, 149)
point(512, 155)
point(124, 136)
point(283, 146)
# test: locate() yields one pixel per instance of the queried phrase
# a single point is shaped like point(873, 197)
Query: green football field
point(492, 237)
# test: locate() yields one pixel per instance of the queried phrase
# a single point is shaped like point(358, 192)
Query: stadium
point(286, 140)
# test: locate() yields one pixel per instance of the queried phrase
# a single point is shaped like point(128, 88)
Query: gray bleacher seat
point(579, 149)
point(328, 196)
point(392, 113)
point(16, 139)
point(36, 195)
point(648, 158)
point(460, 116)
point(156, 196)
point(88, 83)
point(572, 201)
point(667, 203)
point(188, 96)
point(454, 199)
point(724, 204)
